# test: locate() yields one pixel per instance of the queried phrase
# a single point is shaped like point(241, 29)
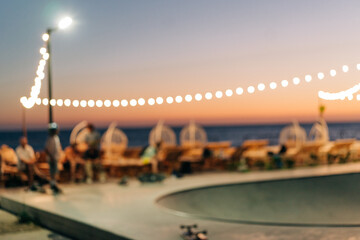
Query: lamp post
point(24, 129)
point(64, 23)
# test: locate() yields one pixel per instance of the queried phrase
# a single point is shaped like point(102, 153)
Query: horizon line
point(101, 126)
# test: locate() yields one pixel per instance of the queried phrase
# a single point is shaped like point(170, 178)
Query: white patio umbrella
point(162, 133)
point(193, 134)
point(114, 136)
point(292, 134)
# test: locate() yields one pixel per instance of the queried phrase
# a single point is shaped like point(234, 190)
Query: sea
point(236, 134)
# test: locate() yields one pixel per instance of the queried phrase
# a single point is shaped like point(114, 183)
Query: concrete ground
point(11, 229)
point(132, 212)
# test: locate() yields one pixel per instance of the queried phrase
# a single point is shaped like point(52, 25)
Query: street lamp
point(64, 23)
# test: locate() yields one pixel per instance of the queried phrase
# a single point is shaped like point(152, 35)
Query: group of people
point(81, 163)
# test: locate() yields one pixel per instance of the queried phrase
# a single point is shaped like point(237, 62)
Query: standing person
point(92, 155)
point(53, 150)
point(26, 164)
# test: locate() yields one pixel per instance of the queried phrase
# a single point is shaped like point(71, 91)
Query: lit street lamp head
point(65, 22)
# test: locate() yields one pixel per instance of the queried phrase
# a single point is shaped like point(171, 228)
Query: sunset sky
point(130, 49)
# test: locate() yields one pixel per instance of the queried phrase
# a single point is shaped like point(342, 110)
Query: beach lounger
point(341, 151)
point(219, 156)
point(308, 154)
point(256, 152)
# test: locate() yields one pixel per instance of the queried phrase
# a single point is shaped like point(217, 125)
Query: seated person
point(149, 156)
point(92, 138)
point(74, 162)
point(277, 159)
point(27, 160)
point(9, 160)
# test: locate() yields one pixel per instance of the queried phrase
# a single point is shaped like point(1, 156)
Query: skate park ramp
point(332, 201)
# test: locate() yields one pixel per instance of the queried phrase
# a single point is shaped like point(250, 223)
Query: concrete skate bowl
point(327, 201)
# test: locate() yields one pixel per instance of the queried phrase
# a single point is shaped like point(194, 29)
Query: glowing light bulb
point(333, 72)
point(198, 97)
point(46, 56)
point(350, 97)
point(251, 89)
point(124, 103)
point(141, 101)
point(218, 94)
point(40, 68)
point(284, 83)
point(239, 91)
point(321, 75)
point(37, 80)
point(76, 103)
point(83, 103)
point(358, 97)
point(42, 62)
point(45, 101)
point(99, 103)
point(53, 102)
point(116, 103)
point(45, 37)
point(38, 101)
point(33, 94)
point(133, 102)
point(67, 102)
point(107, 103)
point(308, 78)
point(59, 102)
point(42, 50)
point(39, 72)
point(151, 101)
point(169, 100)
point(208, 95)
point(296, 81)
point(188, 98)
point(229, 92)
point(29, 103)
point(41, 75)
point(91, 103)
point(178, 99)
point(273, 85)
point(358, 66)
point(23, 100)
point(159, 100)
point(345, 68)
point(261, 87)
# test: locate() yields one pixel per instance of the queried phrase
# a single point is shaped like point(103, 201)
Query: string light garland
point(40, 75)
point(29, 102)
point(347, 94)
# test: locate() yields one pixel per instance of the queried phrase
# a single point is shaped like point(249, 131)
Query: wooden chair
point(8, 165)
